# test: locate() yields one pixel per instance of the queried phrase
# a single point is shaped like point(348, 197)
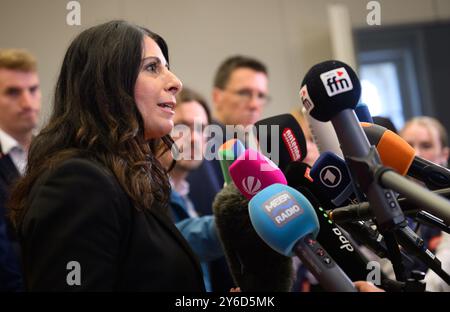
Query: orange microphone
point(396, 153)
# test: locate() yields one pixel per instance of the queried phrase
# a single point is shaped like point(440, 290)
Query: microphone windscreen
point(328, 88)
point(228, 152)
point(332, 238)
point(286, 144)
point(297, 173)
point(331, 174)
point(281, 216)
point(252, 172)
point(253, 264)
point(394, 151)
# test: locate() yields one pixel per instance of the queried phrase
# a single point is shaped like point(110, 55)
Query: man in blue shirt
point(191, 117)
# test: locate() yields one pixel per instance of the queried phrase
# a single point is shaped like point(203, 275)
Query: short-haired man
point(20, 103)
point(239, 95)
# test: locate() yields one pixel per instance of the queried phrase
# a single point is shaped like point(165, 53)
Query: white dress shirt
point(16, 151)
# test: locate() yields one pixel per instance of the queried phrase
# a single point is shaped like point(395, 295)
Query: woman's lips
point(168, 107)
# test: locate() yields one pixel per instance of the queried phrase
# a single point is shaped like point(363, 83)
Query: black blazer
point(79, 212)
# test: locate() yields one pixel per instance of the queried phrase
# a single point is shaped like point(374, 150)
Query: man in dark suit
point(20, 102)
point(239, 95)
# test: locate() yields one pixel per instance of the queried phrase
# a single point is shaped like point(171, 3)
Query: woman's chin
point(164, 129)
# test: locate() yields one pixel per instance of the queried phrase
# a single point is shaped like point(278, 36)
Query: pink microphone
point(252, 172)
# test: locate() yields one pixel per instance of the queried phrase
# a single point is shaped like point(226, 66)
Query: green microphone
point(228, 152)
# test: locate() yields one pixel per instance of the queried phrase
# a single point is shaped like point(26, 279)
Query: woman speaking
point(91, 210)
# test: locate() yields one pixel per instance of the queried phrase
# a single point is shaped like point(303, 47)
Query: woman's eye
point(152, 67)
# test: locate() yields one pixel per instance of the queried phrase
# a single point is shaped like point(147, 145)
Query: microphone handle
point(322, 266)
point(361, 211)
point(429, 201)
point(434, 176)
point(362, 159)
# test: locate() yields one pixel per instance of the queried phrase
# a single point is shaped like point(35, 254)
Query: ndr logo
point(251, 185)
point(336, 81)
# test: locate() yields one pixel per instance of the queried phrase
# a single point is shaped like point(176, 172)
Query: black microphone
point(333, 239)
point(253, 265)
point(331, 176)
point(332, 90)
point(403, 160)
point(281, 139)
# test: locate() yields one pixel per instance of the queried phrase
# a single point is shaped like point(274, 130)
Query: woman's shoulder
point(82, 166)
point(80, 175)
point(77, 186)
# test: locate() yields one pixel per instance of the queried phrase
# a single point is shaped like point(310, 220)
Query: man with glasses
point(240, 91)
point(239, 95)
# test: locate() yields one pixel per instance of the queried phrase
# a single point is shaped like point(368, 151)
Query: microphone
point(323, 135)
point(252, 172)
point(361, 211)
point(363, 113)
point(332, 90)
point(291, 147)
point(287, 222)
point(330, 174)
point(228, 152)
point(254, 266)
point(404, 160)
point(333, 239)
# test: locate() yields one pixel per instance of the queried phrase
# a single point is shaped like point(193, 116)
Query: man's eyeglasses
point(246, 95)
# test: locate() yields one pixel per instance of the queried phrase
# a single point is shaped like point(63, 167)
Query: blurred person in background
point(191, 117)
point(20, 104)
point(239, 95)
point(312, 151)
point(429, 139)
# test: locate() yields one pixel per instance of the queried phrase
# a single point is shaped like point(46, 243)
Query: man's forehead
point(245, 75)
point(16, 78)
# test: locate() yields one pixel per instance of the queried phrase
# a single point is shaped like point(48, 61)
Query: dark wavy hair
point(95, 116)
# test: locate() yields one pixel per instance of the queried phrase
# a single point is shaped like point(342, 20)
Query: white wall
point(288, 35)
